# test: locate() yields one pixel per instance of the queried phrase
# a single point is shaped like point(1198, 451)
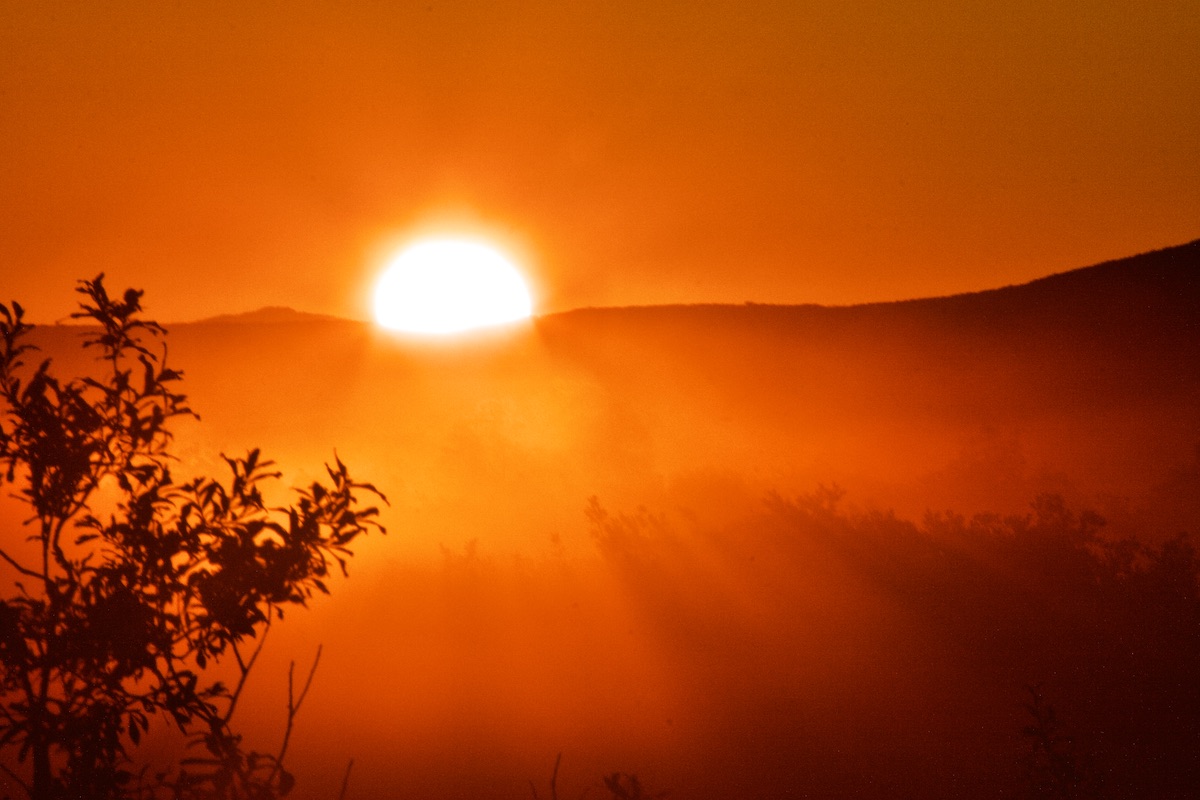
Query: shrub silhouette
point(130, 586)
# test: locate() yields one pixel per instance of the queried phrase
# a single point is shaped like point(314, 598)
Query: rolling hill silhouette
point(1094, 335)
point(1094, 367)
point(1085, 382)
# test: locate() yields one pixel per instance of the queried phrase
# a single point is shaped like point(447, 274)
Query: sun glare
point(441, 286)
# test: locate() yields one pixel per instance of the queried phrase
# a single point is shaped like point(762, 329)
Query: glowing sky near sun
point(226, 156)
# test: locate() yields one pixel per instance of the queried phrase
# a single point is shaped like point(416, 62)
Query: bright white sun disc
point(449, 285)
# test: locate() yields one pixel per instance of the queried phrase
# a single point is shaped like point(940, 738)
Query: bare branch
point(20, 781)
point(553, 781)
point(308, 681)
point(19, 568)
point(245, 671)
point(346, 780)
point(294, 704)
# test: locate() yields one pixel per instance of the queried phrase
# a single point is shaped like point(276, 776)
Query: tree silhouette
point(129, 586)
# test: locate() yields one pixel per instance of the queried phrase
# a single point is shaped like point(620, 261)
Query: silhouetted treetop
point(114, 606)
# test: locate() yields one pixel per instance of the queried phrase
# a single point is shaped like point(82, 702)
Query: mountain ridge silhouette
point(1092, 374)
point(1162, 271)
point(1170, 275)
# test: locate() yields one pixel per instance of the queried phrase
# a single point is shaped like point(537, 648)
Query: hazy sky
point(227, 156)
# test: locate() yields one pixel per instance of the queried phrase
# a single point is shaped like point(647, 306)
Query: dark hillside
point(1132, 320)
point(1088, 382)
point(1095, 372)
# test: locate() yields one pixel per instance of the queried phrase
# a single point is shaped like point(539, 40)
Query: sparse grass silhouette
point(131, 585)
point(618, 785)
point(1053, 768)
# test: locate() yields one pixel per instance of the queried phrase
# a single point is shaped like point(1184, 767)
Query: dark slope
point(1161, 281)
point(266, 316)
point(1134, 319)
point(1097, 339)
point(959, 401)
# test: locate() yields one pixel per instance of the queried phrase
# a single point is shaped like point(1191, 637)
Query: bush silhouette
point(130, 586)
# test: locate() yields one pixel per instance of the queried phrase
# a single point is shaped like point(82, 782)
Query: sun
point(442, 286)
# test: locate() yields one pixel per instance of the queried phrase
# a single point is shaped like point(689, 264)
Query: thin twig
point(237, 655)
point(294, 704)
point(346, 780)
point(553, 781)
point(308, 682)
point(245, 671)
point(17, 566)
point(17, 778)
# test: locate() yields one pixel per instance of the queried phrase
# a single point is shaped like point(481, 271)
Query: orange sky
point(225, 157)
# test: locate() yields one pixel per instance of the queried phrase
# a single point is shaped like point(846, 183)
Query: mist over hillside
point(1085, 383)
point(1092, 373)
point(693, 541)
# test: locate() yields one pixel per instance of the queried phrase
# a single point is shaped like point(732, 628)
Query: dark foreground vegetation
point(1092, 640)
point(718, 645)
point(126, 589)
